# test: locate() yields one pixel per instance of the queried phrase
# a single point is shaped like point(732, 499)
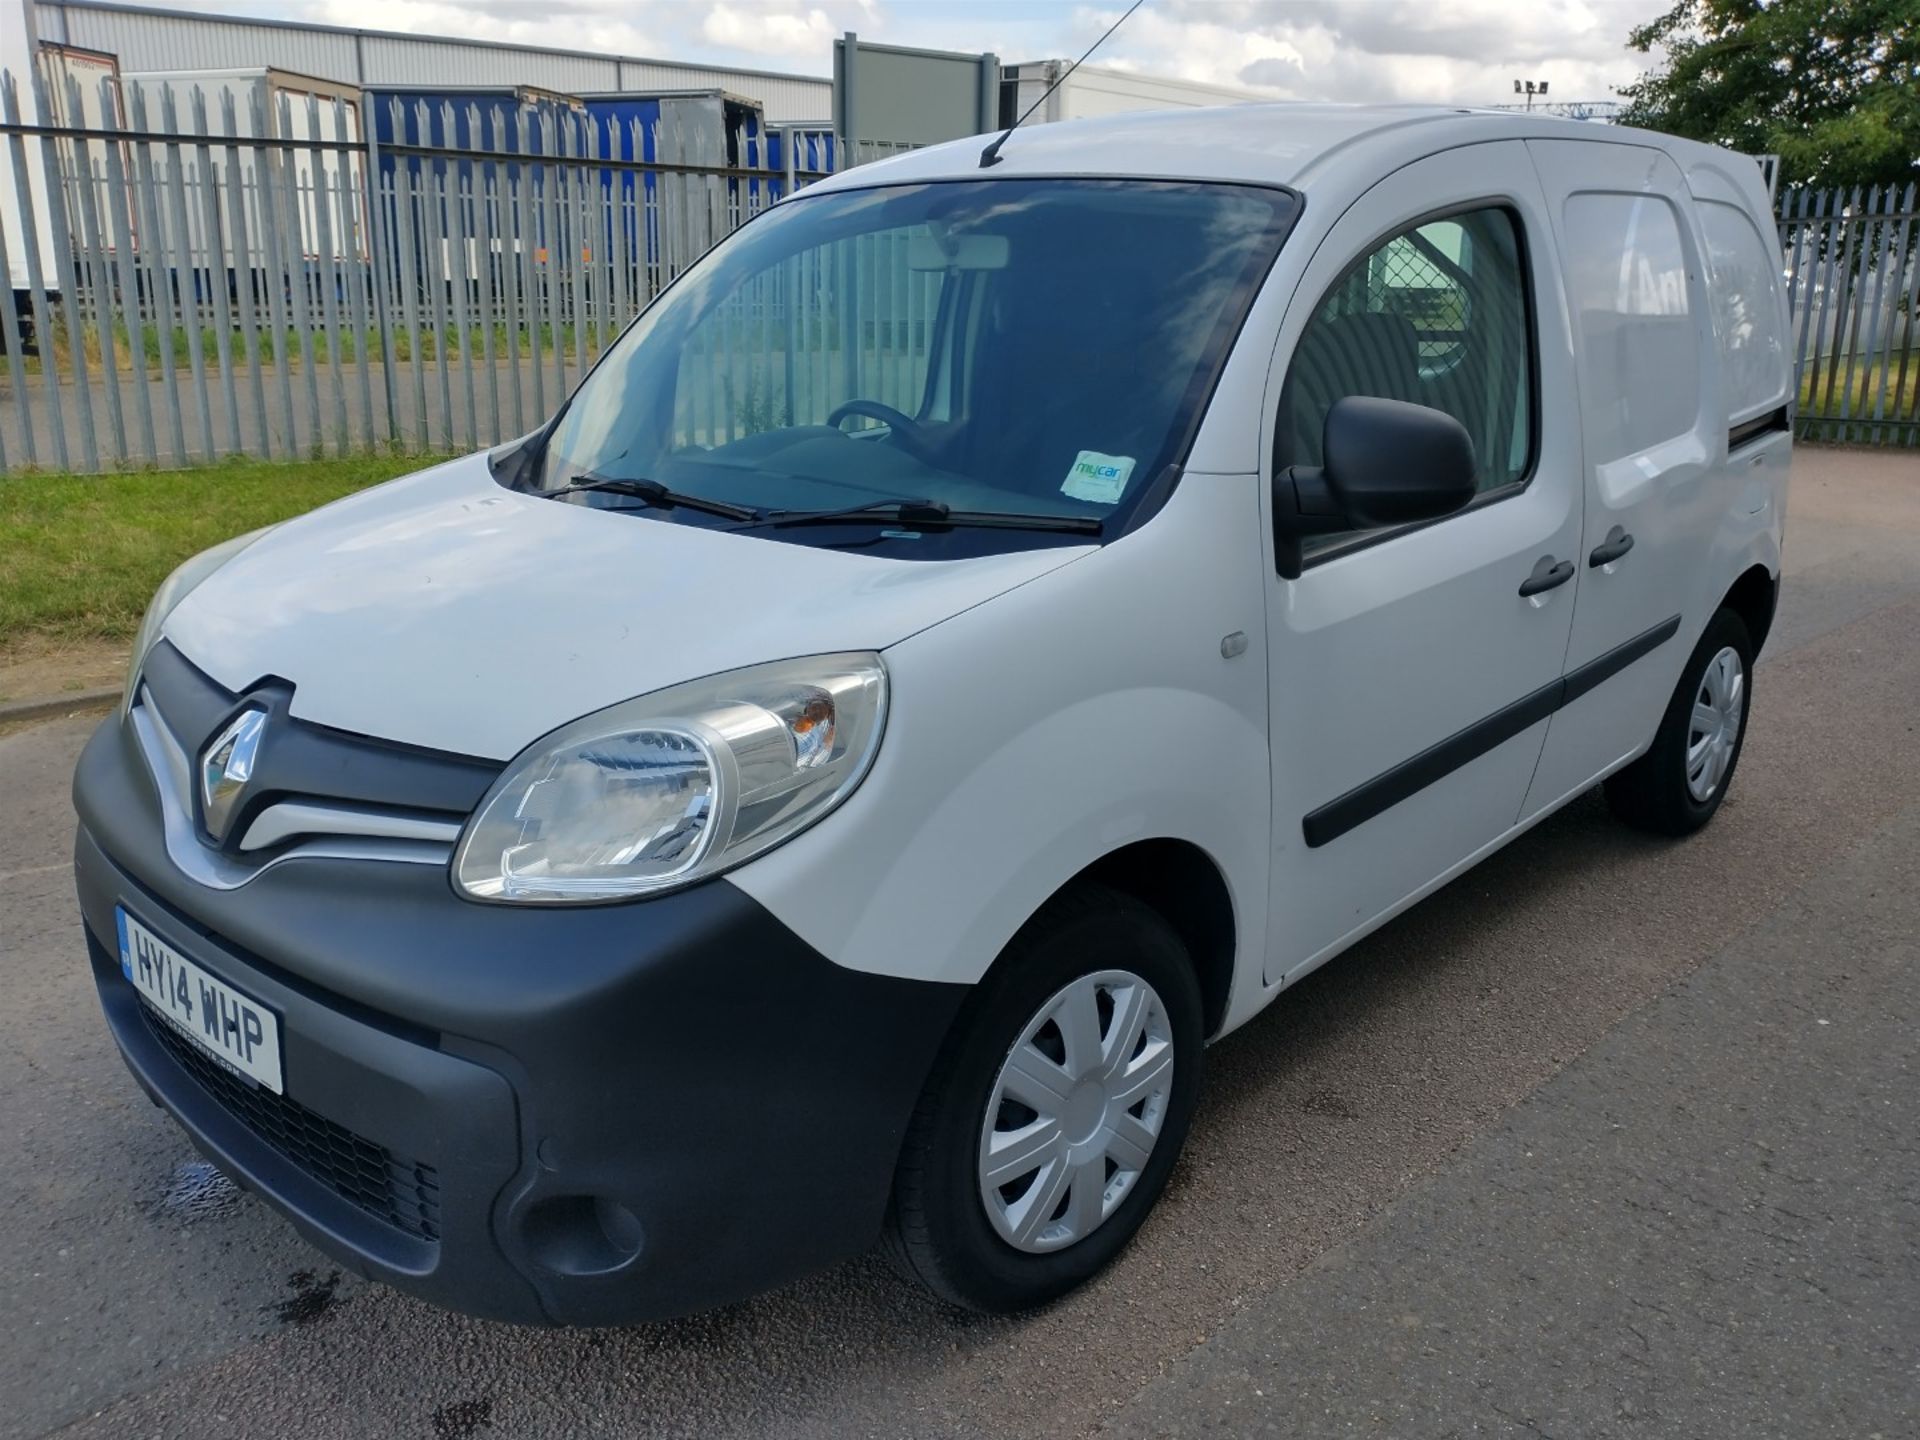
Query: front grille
point(400, 1192)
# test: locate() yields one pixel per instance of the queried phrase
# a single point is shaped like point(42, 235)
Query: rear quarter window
point(1627, 278)
point(1743, 278)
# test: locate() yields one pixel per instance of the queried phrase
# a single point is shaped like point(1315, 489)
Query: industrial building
point(144, 38)
point(148, 39)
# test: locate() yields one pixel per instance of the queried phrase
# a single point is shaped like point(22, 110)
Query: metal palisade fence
point(221, 275)
point(232, 270)
point(1853, 284)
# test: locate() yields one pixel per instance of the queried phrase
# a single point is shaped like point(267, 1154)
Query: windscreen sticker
point(1098, 479)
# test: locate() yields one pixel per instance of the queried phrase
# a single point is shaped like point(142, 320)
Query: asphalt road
point(1611, 1137)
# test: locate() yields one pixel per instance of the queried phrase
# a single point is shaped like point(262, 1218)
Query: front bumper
point(588, 1115)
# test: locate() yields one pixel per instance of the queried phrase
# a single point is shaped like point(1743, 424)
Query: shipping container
point(306, 159)
point(675, 125)
point(73, 79)
point(523, 119)
point(711, 129)
point(803, 149)
point(688, 121)
point(432, 204)
point(70, 81)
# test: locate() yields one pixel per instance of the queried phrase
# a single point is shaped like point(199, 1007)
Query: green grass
point(1871, 379)
point(80, 555)
point(526, 343)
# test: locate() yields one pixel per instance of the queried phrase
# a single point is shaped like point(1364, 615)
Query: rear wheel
point(1056, 1110)
point(1677, 785)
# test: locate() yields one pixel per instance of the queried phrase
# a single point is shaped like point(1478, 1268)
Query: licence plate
point(235, 1029)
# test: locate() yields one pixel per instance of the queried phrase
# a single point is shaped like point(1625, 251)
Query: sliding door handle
point(1547, 573)
point(1617, 543)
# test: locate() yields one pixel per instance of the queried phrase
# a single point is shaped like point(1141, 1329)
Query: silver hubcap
point(1715, 728)
point(1076, 1111)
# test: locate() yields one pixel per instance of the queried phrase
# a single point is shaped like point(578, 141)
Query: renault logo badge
point(225, 768)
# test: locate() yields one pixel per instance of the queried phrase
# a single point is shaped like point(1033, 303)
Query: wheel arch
point(1181, 883)
point(1754, 597)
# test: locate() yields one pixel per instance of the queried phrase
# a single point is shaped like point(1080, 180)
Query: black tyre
point(1056, 1109)
point(1677, 785)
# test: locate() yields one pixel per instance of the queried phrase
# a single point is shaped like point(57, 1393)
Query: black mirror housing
point(1391, 463)
point(1387, 462)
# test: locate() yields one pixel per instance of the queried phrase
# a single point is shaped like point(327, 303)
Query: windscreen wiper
point(925, 512)
point(654, 493)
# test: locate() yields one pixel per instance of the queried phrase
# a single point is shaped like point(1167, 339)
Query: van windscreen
point(1038, 348)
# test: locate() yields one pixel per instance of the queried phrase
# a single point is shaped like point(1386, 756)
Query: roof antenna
point(991, 155)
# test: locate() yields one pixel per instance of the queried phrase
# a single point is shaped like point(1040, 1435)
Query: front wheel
point(1056, 1110)
point(1677, 785)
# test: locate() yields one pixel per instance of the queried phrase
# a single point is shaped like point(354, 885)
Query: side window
point(1745, 281)
point(1627, 278)
point(1436, 315)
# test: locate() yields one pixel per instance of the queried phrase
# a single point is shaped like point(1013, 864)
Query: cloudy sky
point(1465, 51)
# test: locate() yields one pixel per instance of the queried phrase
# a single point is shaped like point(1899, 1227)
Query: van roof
point(1287, 143)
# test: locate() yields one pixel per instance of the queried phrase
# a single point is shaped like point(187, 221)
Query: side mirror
point(1387, 463)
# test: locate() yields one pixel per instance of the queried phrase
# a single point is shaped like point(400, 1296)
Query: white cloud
point(768, 30)
point(1460, 51)
point(1455, 51)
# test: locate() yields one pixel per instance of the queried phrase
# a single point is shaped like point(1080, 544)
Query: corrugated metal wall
point(426, 61)
point(147, 39)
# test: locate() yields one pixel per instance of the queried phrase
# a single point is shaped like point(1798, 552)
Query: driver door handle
point(1548, 573)
point(1617, 543)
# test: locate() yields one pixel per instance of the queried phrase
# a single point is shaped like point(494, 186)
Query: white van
point(982, 634)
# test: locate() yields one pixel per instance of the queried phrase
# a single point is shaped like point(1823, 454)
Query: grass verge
point(80, 555)
point(344, 343)
point(1856, 384)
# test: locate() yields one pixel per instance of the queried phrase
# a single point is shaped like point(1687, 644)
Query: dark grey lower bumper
point(588, 1116)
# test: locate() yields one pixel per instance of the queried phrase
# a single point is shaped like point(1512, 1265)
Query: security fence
point(250, 274)
point(210, 272)
point(1853, 283)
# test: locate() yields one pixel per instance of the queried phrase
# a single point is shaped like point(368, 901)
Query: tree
point(1831, 86)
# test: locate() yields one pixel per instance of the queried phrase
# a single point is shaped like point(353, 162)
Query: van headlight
point(175, 588)
point(659, 792)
